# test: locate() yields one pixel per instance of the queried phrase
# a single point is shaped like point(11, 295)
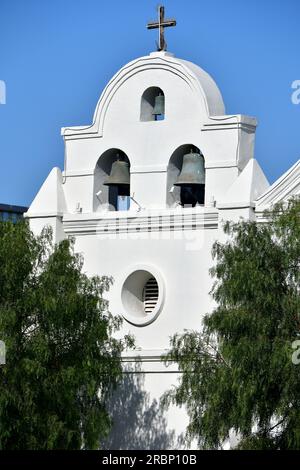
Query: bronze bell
point(192, 170)
point(159, 105)
point(119, 175)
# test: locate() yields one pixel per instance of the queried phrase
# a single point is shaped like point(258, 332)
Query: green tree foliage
point(61, 358)
point(238, 373)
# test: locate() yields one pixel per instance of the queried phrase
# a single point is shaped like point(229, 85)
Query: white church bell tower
point(144, 191)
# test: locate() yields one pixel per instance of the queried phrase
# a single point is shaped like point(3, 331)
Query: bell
point(192, 170)
point(159, 105)
point(119, 175)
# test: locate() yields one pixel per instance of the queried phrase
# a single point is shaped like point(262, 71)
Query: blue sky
point(56, 56)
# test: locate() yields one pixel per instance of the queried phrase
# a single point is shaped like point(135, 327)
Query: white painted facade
point(155, 236)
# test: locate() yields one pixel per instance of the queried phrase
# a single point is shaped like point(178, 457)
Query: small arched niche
point(153, 99)
point(188, 196)
point(108, 197)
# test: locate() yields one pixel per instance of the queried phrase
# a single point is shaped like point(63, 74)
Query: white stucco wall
point(174, 244)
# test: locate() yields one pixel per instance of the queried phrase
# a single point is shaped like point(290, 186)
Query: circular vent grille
point(142, 294)
point(150, 295)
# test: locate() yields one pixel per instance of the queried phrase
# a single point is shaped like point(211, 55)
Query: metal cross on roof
point(161, 24)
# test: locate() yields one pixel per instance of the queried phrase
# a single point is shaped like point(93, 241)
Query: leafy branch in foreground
point(237, 371)
point(62, 360)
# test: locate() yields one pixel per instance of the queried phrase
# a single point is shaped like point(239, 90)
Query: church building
point(144, 191)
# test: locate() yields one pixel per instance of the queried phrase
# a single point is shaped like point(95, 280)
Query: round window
point(142, 296)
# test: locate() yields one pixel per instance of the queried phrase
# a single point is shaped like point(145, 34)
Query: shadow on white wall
point(138, 422)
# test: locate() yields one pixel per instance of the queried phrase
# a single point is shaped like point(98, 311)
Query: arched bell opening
point(112, 181)
point(186, 177)
point(153, 104)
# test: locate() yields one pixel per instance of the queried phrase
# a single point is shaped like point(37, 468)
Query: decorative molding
point(148, 169)
point(75, 173)
point(147, 361)
point(228, 122)
point(235, 205)
point(138, 222)
point(76, 135)
point(147, 355)
point(221, 164)
point(42, 215)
